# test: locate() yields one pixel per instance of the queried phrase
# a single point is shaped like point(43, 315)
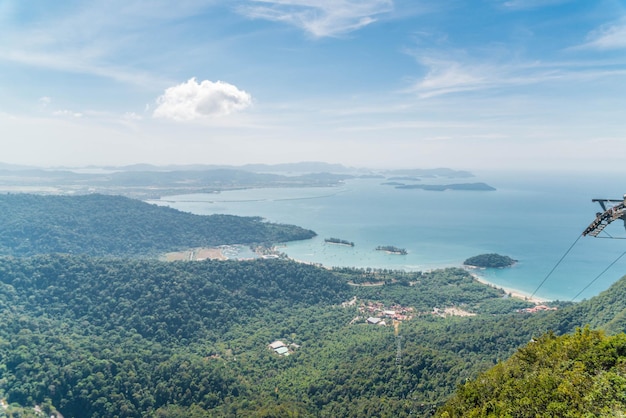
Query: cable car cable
point(555, 266)
point(598, 276)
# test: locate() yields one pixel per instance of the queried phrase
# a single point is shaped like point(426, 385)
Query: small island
point(339, 241)
point(391, 249)
point(489, 261)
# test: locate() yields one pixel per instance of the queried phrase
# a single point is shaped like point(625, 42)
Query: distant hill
point(146, 181)
point(115, 225)
point(430, 172)
point(301, 167)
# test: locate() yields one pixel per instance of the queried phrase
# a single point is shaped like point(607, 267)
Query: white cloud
point(610, 36)
point(193, 100)
point(320, 18)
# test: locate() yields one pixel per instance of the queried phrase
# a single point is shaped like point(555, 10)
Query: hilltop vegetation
point(117, 226)
point(574, 375)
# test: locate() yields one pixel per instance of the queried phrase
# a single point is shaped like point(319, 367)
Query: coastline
point(515, 293)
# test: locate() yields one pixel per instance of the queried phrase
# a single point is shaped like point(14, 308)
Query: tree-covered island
point(339, 241)
point(489, 261)
point(391, 249)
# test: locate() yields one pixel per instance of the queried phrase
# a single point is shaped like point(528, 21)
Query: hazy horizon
point(279, 166)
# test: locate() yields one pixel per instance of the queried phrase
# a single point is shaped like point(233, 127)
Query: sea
point(535, 218)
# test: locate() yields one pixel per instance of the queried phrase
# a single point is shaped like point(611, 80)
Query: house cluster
point(378, 312)
point(283, 349)
point(538, 308)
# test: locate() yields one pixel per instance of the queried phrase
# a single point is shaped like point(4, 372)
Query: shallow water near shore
point(533, 218)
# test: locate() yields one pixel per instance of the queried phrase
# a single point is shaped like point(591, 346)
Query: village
point(376, 313)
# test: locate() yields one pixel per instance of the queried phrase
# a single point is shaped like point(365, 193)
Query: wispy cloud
point(530, 4)
point(445, 77)
point(192, 100)
point(320, 18)
point(76, 62)
point(606, 37)
point(448, 76)
point(91, 39)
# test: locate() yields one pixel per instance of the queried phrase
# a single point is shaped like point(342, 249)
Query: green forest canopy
point(574, 375)
point(111, 337)
point(104, 337)
point(118, 226)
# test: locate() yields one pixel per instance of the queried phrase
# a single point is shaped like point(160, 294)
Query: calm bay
point(531, 217)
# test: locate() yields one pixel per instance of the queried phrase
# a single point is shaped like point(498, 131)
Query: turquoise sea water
point(533, 218)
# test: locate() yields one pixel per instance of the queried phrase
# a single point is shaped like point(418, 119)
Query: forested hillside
point(574, 375)
point(111, 337)
point(96, 336)
point(118, 226)
point(93, 335)
point(580, 373)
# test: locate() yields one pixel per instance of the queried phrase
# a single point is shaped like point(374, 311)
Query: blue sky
point(521, 84)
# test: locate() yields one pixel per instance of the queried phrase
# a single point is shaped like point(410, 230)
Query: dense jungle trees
point(118, 226)
point(574, 375)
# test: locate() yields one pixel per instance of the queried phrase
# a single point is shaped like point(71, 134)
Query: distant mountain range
point(299, 167)
point(149, 181)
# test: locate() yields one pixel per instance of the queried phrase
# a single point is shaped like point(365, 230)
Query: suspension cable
point(598, 276)
point(555, 266)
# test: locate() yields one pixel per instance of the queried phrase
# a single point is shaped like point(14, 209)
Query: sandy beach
point(513, 292)
point(196, 254)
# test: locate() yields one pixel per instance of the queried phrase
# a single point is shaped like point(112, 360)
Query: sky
point(481, 84)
